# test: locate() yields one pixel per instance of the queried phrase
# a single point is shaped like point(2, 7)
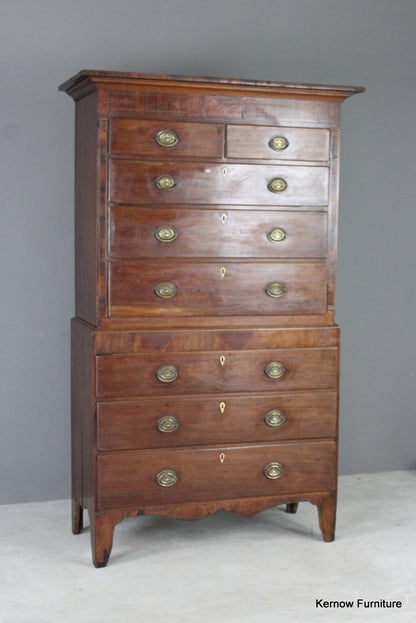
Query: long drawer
point(134, 181)
point(177, 373)
point(136, 232)
point(164, 288)
point(135, 479)
point(204, 420)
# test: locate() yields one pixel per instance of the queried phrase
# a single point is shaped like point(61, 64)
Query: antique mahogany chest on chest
point(205, 358)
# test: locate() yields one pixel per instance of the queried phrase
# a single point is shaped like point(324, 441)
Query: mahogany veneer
point(205, 359)
point(238, 184)
point(132, 229)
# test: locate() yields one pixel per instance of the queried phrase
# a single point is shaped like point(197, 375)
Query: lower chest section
point(188, 416)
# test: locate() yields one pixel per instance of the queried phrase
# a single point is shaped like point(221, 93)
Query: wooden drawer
point(140, 137)
point(171, 232)
point(249, 141)
point(129, 479)
point(203, 420)
point(210, 289)
point(125, 376)
point(134, 181)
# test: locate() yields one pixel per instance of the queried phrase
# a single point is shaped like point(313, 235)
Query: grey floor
point(222, 569)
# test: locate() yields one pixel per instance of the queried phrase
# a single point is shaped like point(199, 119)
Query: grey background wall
point(359, 42)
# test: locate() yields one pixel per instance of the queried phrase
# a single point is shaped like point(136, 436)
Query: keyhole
point(224, 171)
point(222, 271)
point(222, 360)
point(222, 457)
point(222, 407)
point(224, 218)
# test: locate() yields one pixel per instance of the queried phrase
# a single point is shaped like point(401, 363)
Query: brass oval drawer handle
point(166, 138)
point(167, 424)
point(165, 182)
point(277, 185)
point(275, 370)
point(167, 478)
point(277, 234)
point(166, 233)
point(275, 289)
point(278, 143)
point(166, 289)
point(167, 374)
point(273, 471)
point(275, 417)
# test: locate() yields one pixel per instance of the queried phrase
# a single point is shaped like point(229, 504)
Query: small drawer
point(183, 183)
point(137, 479)
point(212, 289)
point(165, 139)
point(202, 420)
point(169, 232)
point(185, 373)
point(269, 143)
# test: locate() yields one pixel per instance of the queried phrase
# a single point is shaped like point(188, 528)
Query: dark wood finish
point(105, 521)
point(333, 220)
point(195, 103)
point(77, 515)
point(221, 329)
point(109, 342)
point(86, 268)
point(253, 142)
point(133, 181)
point(102, 531)
point(82, 429)
point(292, 508)
point(327, 515)
point(138, 137)
point(215, 233)
point(138, 323)
point(306, 91)
point(224, 418)
point(129, 479)
point(127, 376)
point(202, 290)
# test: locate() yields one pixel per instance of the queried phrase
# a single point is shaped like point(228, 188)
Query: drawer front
point(131, 479)
point(165, 139)
point(170, 232)
point(201, 420)
point(245, 141)
point(202, 289)
point(135, 182)
point(125, 376)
